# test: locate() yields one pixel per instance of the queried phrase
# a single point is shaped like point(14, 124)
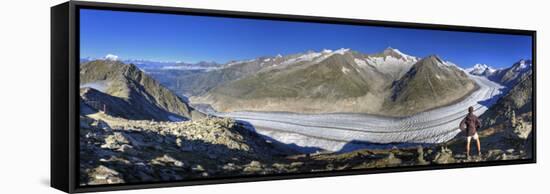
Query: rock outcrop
point(116, 150)
point(444, 156)
point(123, 90)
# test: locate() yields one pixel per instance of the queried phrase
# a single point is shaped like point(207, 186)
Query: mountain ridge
point(430, 83)
point(507, 76)
point(339, 82)
point(114, 82)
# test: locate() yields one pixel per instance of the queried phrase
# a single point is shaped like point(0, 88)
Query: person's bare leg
point(478, 147)
point(468, 147)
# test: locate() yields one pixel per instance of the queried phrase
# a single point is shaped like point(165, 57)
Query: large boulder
point(444, 156)
point(104, 175)
point(115, 141)
point(253, 167)
point(167, 160)
point(420, 157)
point(519, 129)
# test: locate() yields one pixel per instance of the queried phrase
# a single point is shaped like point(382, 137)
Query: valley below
point(334, 131)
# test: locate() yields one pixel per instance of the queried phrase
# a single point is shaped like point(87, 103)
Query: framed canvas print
point(146, 96)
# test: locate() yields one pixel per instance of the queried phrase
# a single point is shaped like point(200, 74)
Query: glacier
point(333, 131)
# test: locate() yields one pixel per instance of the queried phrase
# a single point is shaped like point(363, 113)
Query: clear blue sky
point(166, 37)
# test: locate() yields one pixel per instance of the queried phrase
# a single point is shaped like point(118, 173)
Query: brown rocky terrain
point(115, 150)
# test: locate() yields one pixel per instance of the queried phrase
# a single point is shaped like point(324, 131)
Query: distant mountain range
point(147, 65)
point(481, 69)
point(203, 65)
point(331, 81)
point(386, 65)
point(507, 76)
point(388, 83)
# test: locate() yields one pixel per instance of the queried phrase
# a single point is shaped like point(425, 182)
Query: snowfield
point(98, 85)
point(335, 131)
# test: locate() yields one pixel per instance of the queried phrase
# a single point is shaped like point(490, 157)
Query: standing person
point(471, 123)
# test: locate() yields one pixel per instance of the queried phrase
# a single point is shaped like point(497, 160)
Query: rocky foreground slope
point(507, 127)
point(115, 150)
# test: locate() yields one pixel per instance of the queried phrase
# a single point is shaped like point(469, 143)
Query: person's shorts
point(475, 136)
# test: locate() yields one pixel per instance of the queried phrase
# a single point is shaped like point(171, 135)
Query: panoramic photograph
point(167, 97)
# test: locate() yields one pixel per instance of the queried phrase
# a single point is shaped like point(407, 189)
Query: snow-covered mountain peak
point(523, 64)
point(396, 53)
point(342, 51)
point(481, 66)
point(481, 69)
point(326, 51)
point(308, 56)
point(391, 56)
point(111, 57)
point(390, 51)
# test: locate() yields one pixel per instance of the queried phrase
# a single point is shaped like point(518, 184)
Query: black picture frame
point(65, 106)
